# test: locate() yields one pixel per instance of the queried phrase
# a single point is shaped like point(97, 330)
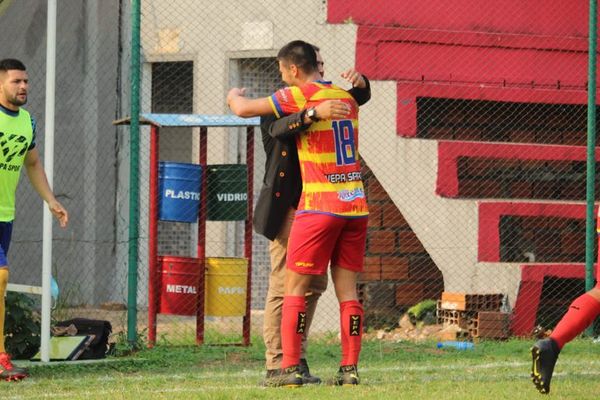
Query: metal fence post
point(133, 174)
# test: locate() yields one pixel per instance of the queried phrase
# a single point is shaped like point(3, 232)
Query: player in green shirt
point(17, 148)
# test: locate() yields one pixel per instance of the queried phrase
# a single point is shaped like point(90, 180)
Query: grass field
point(494, 370)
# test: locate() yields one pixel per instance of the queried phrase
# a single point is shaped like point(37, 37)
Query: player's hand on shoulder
point(332, 109)
point(354, 77)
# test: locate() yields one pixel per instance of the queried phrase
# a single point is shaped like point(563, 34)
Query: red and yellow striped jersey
point(328, 152)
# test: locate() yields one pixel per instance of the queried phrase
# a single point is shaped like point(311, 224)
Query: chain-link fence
point(91, 91)
point(473, 151)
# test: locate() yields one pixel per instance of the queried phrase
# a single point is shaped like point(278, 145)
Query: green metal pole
point(134, 187)
point(590, 221)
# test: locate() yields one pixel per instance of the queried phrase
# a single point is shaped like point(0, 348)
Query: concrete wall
point(447, 228)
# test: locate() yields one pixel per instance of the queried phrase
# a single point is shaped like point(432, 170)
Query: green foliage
point(423, 311)
point(122, 346)
point(22, 326)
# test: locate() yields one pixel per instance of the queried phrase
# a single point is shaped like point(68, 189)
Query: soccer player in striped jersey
point(331, 221)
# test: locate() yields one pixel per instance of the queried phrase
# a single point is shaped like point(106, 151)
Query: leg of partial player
point(544, 354)
point(8, 371)
point(351, 324)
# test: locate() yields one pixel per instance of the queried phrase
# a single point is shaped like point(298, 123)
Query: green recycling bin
point(227, 192)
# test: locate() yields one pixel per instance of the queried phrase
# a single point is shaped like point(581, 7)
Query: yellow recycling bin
point(225, 294)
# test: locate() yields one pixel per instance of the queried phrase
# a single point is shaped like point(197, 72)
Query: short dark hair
point(299, 53)
point(11, 63)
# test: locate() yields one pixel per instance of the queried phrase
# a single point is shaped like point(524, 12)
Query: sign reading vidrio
point(227, 192)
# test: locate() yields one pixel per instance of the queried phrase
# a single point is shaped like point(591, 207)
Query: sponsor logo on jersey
point(349, 195)
point(8, 167)
point(283, 94)
point(340, 178)
point(12, 145)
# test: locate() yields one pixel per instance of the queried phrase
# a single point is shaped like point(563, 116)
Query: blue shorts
point(5, 235)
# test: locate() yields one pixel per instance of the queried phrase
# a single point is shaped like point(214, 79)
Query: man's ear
point(294, 70)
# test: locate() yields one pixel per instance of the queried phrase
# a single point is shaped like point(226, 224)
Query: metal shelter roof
point(191, 120)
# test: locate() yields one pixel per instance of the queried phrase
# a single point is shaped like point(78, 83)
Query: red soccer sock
point(580, 315)
point(293, 325)
point(351, 324)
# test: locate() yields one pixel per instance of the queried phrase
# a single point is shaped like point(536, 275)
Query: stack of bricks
point(490, 324)
point(477, 314)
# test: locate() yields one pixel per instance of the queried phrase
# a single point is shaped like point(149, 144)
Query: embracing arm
point(361, 88)
point(290, 125)
point(293, 124)
point(39, 181)
point(244, 107)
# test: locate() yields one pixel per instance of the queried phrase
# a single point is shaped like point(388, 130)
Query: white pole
point(49, 167)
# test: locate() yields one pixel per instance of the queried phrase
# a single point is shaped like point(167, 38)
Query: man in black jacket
point(276, 205)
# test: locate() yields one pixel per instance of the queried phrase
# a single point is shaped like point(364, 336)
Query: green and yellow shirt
point(17, 137)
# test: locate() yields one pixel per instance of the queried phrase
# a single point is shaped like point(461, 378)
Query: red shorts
point(316, 239)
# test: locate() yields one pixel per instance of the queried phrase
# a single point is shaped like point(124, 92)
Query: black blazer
point(282, 183)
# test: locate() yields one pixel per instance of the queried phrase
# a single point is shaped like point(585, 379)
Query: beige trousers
point(274, 302)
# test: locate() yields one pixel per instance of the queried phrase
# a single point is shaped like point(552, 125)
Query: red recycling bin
point(179, 285)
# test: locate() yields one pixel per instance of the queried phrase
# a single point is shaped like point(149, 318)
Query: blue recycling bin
point(179, 188)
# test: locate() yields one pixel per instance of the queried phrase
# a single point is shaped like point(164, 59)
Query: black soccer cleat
point(307, 378)
point(347, 375)
point(543, 356)
point(8, 371)
point(285, 377)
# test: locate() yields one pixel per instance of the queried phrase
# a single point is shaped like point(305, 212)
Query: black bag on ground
point(101, 331)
